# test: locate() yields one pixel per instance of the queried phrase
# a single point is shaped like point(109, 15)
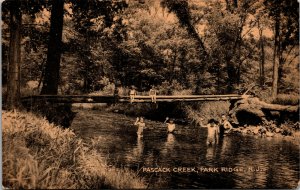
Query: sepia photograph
point(150, 94)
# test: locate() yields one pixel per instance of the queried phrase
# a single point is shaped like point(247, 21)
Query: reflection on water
point(170, 140)
point(225, 147)
point(168, 146)
point(242, 161)
point(137, 151)
point(210, 152)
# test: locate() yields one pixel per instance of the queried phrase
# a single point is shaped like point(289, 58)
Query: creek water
point(183, 160)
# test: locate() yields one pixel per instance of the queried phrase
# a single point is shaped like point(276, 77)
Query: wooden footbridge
point(126, 99)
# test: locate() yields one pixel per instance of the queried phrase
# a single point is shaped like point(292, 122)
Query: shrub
point(183, 92)
point(208, 110)
point(39, 155)
point(60, 114)
point(173, 87)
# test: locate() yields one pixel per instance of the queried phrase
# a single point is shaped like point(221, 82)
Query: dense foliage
point(181, 46)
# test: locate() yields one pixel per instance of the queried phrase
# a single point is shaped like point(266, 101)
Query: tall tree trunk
point(13, 86)
point(262, 58)
point(228, 7)
point(231, 5)
point(238, 58)
point(231, 76)
point(276, 57)
point(172, 67)
point(87, 78)
point(233, 71)
point(238, 70)
point(51, 78)
point(235, 3)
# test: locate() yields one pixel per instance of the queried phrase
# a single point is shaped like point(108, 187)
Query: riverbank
point(281, 132)
point(40, 155)
point(285, 131)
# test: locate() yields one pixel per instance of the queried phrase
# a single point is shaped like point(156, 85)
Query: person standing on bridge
point(152, 94)
point(140, 124)
point(132, 94)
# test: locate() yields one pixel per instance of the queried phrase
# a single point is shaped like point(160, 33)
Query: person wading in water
point(227, 127)
point(141, 125)
point(212, 131)
point(170, 125)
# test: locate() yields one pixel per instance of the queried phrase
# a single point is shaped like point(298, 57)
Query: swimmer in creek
point(212, 131)
point(141, 125)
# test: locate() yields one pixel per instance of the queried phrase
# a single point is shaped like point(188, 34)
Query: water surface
point(184, 159)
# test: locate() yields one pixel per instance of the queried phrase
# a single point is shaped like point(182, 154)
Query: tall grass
point(39, 155)
point(286, 99)
point(207, 110)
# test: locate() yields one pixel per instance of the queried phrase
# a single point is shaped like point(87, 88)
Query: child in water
point(140, 124)
point(226, 125)
point(170, 125)
point(212, 132)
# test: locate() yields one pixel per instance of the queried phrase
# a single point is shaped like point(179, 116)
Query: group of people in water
point(215, 129)
point(141, 125)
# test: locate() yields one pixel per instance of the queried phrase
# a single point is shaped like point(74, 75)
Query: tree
point(51, 77)
point(157, 50)
point(182, 10)
point(285, 16)
point(91, 19)
point(13, 87)
point(223, 32)
point(262, 55)
point(33, 38)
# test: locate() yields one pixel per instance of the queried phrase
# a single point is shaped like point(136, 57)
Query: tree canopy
point(179, 46)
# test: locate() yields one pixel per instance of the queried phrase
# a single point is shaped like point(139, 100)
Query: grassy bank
point(286, 99)
point(39, 155)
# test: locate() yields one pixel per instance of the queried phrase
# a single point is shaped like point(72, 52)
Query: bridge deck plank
point(138, 98)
